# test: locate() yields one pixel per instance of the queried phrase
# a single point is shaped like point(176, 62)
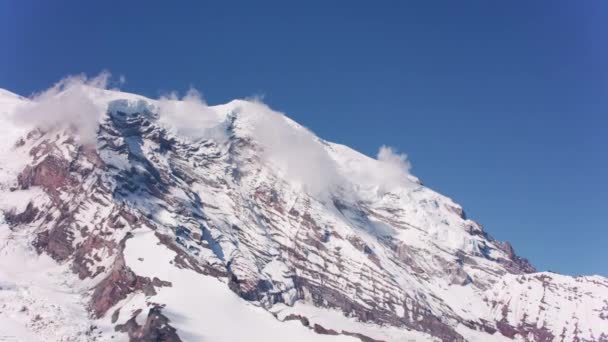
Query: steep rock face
point(404, 257)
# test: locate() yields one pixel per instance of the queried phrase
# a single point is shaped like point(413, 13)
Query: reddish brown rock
point(57, 242)
point(116, 286)
point(51, 173)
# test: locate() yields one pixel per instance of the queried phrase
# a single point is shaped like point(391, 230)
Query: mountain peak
point(173, 218)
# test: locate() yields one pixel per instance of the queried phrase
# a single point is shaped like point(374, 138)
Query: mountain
point(127, 218)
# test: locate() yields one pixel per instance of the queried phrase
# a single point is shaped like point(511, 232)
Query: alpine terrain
point(124, 218)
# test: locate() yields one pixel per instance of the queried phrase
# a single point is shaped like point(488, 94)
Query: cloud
point(394, 168)
point(191, 117)
point(295, 153)
point(300, 157)
point(67, 104)
point(396, 164)
point(388, 172)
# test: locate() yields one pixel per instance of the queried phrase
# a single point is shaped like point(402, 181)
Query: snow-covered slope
point(173, 220)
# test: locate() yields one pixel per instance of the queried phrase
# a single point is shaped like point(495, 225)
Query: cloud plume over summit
point(67, 104)
point(79, 103)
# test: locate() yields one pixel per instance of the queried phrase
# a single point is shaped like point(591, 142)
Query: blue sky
point(501, 105)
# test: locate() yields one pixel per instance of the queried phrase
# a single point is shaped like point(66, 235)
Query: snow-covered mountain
point(127, 218)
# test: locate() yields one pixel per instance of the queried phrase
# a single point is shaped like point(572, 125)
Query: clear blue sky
point(501, 105)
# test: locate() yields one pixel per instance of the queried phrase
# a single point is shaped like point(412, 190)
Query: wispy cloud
point(394, 168)
point(300, 157)
point(67, 104)
point(190, 116)
point(295, 152)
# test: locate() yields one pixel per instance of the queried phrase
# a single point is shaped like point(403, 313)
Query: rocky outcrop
point(120, 282)
point(51, 173)
point(57, 242)
point(513, 262)
point(27, 216)
point(157, 328)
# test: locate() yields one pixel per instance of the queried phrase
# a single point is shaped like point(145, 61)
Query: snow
point(11, 161)
point(209, 311)
point(480, 336)
point(40, 300)
point(561, 297)
point(337, 321)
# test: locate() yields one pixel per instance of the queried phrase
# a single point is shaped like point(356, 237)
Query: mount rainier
point(124, 218)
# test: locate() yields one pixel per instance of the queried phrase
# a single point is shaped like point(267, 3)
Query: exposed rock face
point(51, 173)
point(407, 258)
point(27, 216)
point(156, 328)
point(57, 242)
point(513, 262)
point(116, 286)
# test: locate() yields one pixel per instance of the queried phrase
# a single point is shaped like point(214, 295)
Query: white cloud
point(394, 168)
point(191, 117)
point(67, 104)
point(395, 163)
point(300, 157)
point(295, 152)
point(369, 177)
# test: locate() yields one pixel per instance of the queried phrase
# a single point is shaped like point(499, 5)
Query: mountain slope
point(172, 220)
